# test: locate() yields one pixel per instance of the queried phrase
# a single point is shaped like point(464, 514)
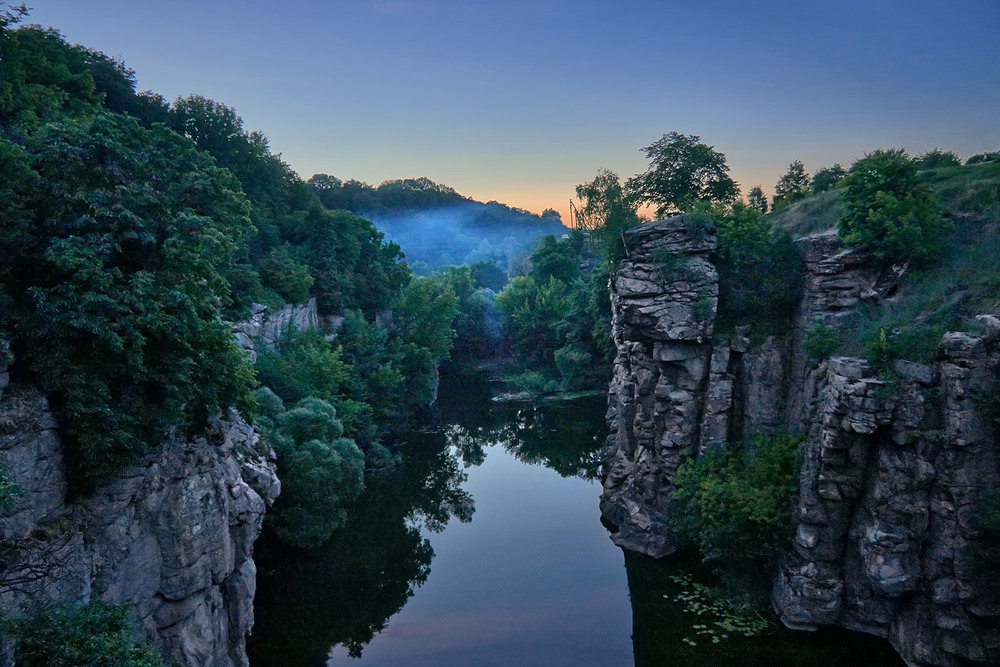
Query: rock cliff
point(885, 536)
point(171, 537)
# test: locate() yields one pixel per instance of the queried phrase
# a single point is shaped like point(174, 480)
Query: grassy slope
point(946, 296)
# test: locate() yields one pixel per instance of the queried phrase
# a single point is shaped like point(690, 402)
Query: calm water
point(485, 547)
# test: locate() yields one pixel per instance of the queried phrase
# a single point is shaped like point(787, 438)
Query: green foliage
point(735, 502)
point(115, 281)
point(682, 172)
point(936, 159)
point(698, 224)
point(559, 328)
point(304, 365)
point(322, 473)
point(532, 382)
point(889, 212)
point(980, 158)
point(821, 341)
point(792, 186)
point(756, 199)
point(719, 616)
point(827, 178)
point(608, 210)
point(94, 635)
point(552, 259)
point(759, 270)
point(288, 278)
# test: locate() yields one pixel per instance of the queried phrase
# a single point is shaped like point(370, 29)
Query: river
point(485, 547)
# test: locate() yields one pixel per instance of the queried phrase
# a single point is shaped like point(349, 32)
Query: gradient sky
point(519, 101)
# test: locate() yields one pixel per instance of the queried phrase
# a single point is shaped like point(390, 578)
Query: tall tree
point(792, 186)
point(608, 209)
point(683, 171)
point(756, 199)
point(827, 178)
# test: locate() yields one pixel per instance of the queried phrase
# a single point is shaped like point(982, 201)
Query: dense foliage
point(889, 211)
point(116, 242)
point(134, 230)
point(93, 635)
point(555, 318)
point(608, 210)
point(683, 171)
point(760, 273)
point(735, 502)
point(792, 186)
point(827, 178)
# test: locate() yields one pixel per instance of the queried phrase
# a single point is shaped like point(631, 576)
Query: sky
point(519, 101)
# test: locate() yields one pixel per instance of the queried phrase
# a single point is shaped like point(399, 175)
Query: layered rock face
point(886, 538)
point(171, 537)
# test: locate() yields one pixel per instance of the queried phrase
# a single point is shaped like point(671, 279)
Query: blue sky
point(519, 101)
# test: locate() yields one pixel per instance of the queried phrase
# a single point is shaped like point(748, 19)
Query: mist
point(464, 234)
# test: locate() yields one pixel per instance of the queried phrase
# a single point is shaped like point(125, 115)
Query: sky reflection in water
point(532, 579)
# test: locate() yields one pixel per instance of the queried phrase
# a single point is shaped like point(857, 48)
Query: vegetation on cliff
point(134, 231)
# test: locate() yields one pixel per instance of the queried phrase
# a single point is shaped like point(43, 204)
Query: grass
point(945, 296)
point(809, 216)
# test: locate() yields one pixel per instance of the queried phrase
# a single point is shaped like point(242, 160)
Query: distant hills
point(436, 226)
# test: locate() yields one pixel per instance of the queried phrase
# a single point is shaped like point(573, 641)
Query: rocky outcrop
point(886, 532)
point(171, 538)
point(664, 297)
point(894, 466)
point(266, 327)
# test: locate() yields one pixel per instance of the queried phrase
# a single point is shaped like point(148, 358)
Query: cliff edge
point(885, 535)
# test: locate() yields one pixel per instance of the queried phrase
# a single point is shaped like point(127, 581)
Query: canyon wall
point(171, 537)
point(885, 534)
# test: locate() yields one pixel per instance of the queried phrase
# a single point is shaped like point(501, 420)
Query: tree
point(683, 171)
point(792, 186)
point(889, 212)
point(608, 210)
point(756, 199)
point(827, 178)
point(114, 283)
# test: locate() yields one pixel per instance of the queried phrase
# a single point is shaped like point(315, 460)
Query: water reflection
point(345, 592)
point(562, 438)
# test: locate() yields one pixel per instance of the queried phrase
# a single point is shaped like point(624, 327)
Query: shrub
point(759, 270)
point(574, 364)
point(321, 473)
point(94, 635)
point(889, 212)
point(735, 502)
point(821, 340)
point(937, 158)
point(980, 158)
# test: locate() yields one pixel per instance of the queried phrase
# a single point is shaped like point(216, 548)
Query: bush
point(94, 635)
point(574, 364)
point(980, 158)
point(821, 341)
point(937, 159)
point(760, 272)
point(321, 473)
point(735, 502)
point(889, 212)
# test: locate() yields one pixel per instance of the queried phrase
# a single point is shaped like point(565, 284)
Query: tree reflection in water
point(345, 592)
